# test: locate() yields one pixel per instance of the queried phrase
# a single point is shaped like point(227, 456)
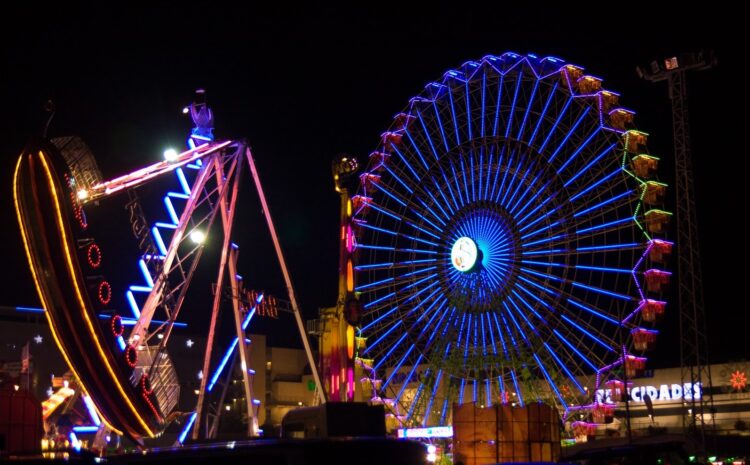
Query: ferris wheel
point(507, 242)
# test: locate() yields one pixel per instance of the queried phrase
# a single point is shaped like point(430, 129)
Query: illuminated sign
point(663, 392)
point(464, 254)
point(433, 432)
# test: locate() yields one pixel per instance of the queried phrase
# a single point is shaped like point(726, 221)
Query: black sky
point(303, 85)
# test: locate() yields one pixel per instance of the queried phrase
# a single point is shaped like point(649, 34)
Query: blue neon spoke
point(539, 206)
point(501, 189)
point(466, 183)
point(519, 183)
point(509, 331)
point(406, 162)
point(602, 291)
point(525, 318)
point(460, 330)
point(484, 88)
point(378, 319)
point(400, 362)
point(541, 217)
point(564, 368)
point(545, 240)
point(442, 311)
point(519, 330)
point(596, 184)
point(554, 126)
point(458, 186)
point(497, 103)
point(440, 125)
point(427, 134)
point(453, 115)
point(609, 247)
point(461, 391)
point(538, 286)
point(588, 333)
point(471, 172)
point(535, 297)
point(416, 149)
point(489, 173)
point(603, 203)
point(529, 104)
point(519, 79)
point(372, 303)
point(540, 230)
point(373, 284)
point(388, 265)
point(500, 334)
point(529, 306)
point(407, 380)
point(479, 173)
point(414, 401)
point(405, 220)
point(397, 178)
point(467, 340)
point(518, 391)
point(545, 252)
point(399, 321)
point(387, 192)
point(395, 325)
point(437, 203)
point(550, 381)
point(579, 149)
point(523, 195)
point(603, 269)
point(574, 349)
point(450, 189)
point(540, 275)
point(602, 226)
point(484, 335)
point(542, 115)
point(500, 161)
point(595, 312)
point(432, 397)
point(570, 133)
point(588, 166)
point(444, 410)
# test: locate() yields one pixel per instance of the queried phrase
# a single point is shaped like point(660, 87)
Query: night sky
point(303, 85)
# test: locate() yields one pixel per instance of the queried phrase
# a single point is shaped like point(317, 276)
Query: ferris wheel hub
point(465, 254)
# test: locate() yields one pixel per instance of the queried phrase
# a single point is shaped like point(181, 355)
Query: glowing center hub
point(464, 254)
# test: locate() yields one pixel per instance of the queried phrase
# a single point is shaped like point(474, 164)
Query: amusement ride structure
point(122, 362)
point(504, 243)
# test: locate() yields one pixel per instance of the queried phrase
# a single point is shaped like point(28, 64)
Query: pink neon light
point(350, 383)
point(152, 171)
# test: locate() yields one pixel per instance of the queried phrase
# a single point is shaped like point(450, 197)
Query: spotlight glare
point(197, 236)
point(170, 154)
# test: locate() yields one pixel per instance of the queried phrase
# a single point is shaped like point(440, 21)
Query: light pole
point(694, 361)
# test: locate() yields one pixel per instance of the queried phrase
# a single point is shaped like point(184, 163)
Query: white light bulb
point(170, 154)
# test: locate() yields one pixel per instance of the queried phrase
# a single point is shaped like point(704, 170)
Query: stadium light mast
point(694, 360)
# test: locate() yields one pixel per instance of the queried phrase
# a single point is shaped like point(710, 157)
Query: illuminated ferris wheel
point(507, 245)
